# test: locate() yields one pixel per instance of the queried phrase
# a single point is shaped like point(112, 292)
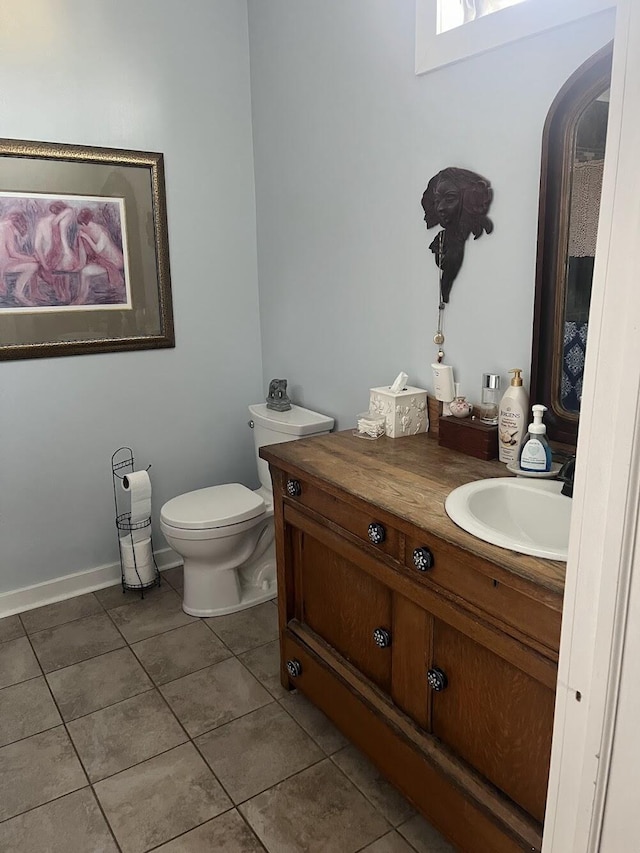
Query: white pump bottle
point(512, 419)
point(536, 452)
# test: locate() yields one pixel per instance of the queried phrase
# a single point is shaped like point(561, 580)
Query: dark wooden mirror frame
point(590, 80)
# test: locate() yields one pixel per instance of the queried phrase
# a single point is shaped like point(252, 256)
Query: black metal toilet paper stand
point(122, 464)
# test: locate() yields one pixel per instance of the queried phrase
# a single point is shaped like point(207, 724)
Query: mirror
point(570, 188)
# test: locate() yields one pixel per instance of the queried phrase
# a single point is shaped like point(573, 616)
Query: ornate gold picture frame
point(84, 253)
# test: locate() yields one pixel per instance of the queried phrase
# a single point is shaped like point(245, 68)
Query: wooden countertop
point(409, 478)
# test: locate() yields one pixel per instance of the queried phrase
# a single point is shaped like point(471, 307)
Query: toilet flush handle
point(250, 424)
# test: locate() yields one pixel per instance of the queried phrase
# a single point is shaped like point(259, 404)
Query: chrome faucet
point(566, 474)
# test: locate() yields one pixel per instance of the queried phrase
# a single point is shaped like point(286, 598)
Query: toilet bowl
point(216, 530)
point(225, 533)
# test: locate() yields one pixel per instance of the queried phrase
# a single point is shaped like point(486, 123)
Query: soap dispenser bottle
point(512, 418)
point(536, 453)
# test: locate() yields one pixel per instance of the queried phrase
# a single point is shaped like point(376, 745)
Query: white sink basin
point(528, 516)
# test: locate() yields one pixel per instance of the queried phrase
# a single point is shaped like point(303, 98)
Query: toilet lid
point(215, 506)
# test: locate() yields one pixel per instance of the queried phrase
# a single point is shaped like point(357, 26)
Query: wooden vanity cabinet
point(427, 669)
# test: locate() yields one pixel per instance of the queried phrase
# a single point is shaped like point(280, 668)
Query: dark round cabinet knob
point(294, 668)
point(436, 679)
point(422, 559)
point(377, 534)
point(382, 638)
point(294, 489)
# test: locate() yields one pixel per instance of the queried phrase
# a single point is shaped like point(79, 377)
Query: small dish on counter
point(514, 468)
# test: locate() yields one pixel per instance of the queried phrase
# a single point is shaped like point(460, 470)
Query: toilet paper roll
point(138, 485)
point(142, 569)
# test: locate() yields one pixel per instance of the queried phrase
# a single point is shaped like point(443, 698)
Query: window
point(450, 30)
point(455, 13)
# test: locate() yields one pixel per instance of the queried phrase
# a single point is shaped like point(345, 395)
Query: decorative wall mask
point(458, 200)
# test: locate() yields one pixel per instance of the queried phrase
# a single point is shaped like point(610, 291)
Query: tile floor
point(126, 725)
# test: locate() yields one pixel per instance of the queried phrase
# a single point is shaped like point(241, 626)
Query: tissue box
point(405, 411)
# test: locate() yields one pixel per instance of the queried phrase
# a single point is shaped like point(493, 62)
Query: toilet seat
point(213, 508)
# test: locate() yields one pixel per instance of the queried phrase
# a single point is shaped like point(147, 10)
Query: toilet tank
point(271, 427)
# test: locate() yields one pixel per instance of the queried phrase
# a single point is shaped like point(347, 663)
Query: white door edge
point(605, 522)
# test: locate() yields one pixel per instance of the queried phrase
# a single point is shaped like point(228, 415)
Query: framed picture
point(84, 254)
point(450, 30)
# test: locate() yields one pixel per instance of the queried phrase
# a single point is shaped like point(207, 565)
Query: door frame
point(606, 500)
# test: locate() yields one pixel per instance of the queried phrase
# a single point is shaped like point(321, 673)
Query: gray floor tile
point(155, 787)
point(60, 612)
point(264, 663)
point(180, 652)
point(36, 770)
point(155, 801)
point(10, 628)
point(112, 596)
point(314, 722)
point(246, 629)
point(152, 616)
point(258, 750)
point(26, 709)
point(75, 641)
point(225, 834)
point(122, 735)
point(17, 662)
point(423, 837)
point(317, 810)
point(72, 824)
point(387, 799)
point(214, 696)
point(390, 843)
point(175, 577)
point(96, 683)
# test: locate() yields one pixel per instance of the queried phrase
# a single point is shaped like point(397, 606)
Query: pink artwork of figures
point(62, 253)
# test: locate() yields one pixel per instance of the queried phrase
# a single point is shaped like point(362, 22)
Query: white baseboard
point(19, 600)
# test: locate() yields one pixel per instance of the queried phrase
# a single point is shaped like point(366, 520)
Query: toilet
point(225, 534)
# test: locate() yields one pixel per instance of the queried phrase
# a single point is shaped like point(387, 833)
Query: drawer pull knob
point(377, 534)
point(436, 679)
point(422, 559)
point(294, 668)
point(382, 638)
point(294, 489)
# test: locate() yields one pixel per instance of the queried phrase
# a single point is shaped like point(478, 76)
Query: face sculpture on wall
point(458, 200)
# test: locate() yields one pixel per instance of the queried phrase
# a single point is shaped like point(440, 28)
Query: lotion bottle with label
point(536, 453)
point(512, 418)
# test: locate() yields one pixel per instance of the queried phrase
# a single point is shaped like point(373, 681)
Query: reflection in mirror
point(584, 209)
point(570, 190)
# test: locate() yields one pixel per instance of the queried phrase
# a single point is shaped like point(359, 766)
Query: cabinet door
point(495, 716)
point(345, 606)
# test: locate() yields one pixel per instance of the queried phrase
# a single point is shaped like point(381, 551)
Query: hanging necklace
point(438, 338)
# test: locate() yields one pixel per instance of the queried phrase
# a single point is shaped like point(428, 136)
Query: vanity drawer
point(365, 525)
point(461, 573)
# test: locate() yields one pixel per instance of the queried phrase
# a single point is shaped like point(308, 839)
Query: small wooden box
point(434, 408)
point(469, 436)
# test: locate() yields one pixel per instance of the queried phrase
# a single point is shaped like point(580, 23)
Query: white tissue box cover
point(405, 411)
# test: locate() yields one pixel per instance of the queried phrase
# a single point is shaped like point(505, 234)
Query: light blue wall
point(152, 76)
point(346, 138)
